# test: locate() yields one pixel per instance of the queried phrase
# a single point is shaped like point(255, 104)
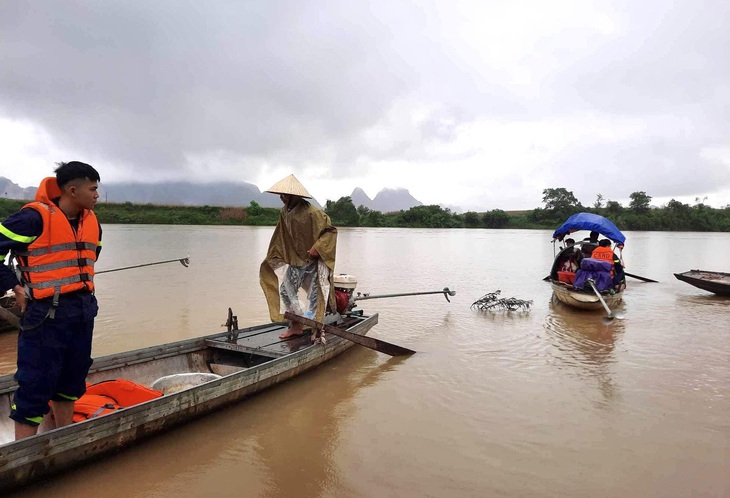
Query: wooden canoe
point(581, 299)
point(254, 360)
point(711, 281)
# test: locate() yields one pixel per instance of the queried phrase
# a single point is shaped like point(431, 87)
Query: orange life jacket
point(603, 253)
point(92, 406)
point(124, 392)
point(60, 260)
point(110, 395)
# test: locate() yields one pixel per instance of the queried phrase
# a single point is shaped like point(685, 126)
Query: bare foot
point(292, 332)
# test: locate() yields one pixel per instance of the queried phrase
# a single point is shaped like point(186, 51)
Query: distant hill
point(214, 194)
point(360, 198)
point(386, 201)
point(170, 193)
point(188, 194)
point(11, 190)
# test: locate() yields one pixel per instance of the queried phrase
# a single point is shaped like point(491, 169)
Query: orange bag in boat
point(566, 276)
point(124, 392)
point(92, 406)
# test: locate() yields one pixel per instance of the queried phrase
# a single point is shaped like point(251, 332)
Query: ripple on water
point(582, 337)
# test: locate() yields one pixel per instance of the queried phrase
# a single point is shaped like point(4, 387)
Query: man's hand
point(313, 252)
point(20, 298)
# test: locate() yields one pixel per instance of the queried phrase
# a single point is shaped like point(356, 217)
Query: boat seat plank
point(241, 348)
point(264, 343)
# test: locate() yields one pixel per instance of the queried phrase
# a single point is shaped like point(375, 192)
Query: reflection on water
point(551, 402)
point(586, 343)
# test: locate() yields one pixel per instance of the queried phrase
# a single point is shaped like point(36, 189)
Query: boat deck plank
point(262, 343)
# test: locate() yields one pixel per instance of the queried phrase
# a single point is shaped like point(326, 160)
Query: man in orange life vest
point(605, 253)
point(56, 240)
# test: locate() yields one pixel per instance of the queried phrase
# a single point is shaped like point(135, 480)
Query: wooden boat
point(711, 281)
point(241, 363)
point(561, 282)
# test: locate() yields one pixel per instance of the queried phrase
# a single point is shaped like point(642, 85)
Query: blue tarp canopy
point(592, 222)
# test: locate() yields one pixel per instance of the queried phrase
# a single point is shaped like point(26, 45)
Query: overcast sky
point(479, 105)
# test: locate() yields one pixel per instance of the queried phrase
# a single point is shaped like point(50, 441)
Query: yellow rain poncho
point(298, 230)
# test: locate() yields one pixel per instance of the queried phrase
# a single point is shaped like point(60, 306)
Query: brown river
point(547, 403)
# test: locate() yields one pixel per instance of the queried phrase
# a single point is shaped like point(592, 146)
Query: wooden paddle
point(362, 340)
point(639, 277)
point(611, 315)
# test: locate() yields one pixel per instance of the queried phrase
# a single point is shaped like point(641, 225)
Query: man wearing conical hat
point(304, 245)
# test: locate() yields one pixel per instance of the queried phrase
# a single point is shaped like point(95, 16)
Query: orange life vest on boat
point(60, 260)
point(603, 253)
point(110, 395)
point(92, 406)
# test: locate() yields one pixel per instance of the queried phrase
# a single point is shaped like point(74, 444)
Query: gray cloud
point(171, 88)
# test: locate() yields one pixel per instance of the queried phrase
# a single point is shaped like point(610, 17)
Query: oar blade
point(600, 298)
point(362, 340)
point(639, 277)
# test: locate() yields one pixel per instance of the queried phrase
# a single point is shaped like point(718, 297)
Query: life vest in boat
point(123, 391)
point(60, 260)
point(110, 395)
point(603, 253)
point(92, 406)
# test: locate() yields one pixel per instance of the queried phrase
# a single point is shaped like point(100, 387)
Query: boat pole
point(446, 292)
point(183, 261)
point(611, 315)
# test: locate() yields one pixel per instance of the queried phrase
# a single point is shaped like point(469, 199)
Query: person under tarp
point(303, 244)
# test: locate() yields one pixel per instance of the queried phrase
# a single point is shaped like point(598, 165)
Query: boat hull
point(34, 458)
point(583, 300)
point(711, 281)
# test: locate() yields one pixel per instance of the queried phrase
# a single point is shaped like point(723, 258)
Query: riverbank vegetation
point(558, 205)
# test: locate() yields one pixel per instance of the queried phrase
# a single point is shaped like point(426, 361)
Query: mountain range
point(213, 194)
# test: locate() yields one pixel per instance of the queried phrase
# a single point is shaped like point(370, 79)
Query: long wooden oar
point(639, 277)
point(183, 261)
point(610, 314)
point(362, 340)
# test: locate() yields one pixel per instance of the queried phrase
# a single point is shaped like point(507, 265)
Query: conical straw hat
point(290, 185)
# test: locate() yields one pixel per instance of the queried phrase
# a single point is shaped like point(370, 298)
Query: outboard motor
point(344, 288)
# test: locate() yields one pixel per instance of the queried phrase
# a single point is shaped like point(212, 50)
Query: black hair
point(75, 170)
point(569, 241)
point(605, 243)
point(594, 235)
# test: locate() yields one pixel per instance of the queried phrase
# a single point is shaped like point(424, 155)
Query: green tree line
point(558, 205)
